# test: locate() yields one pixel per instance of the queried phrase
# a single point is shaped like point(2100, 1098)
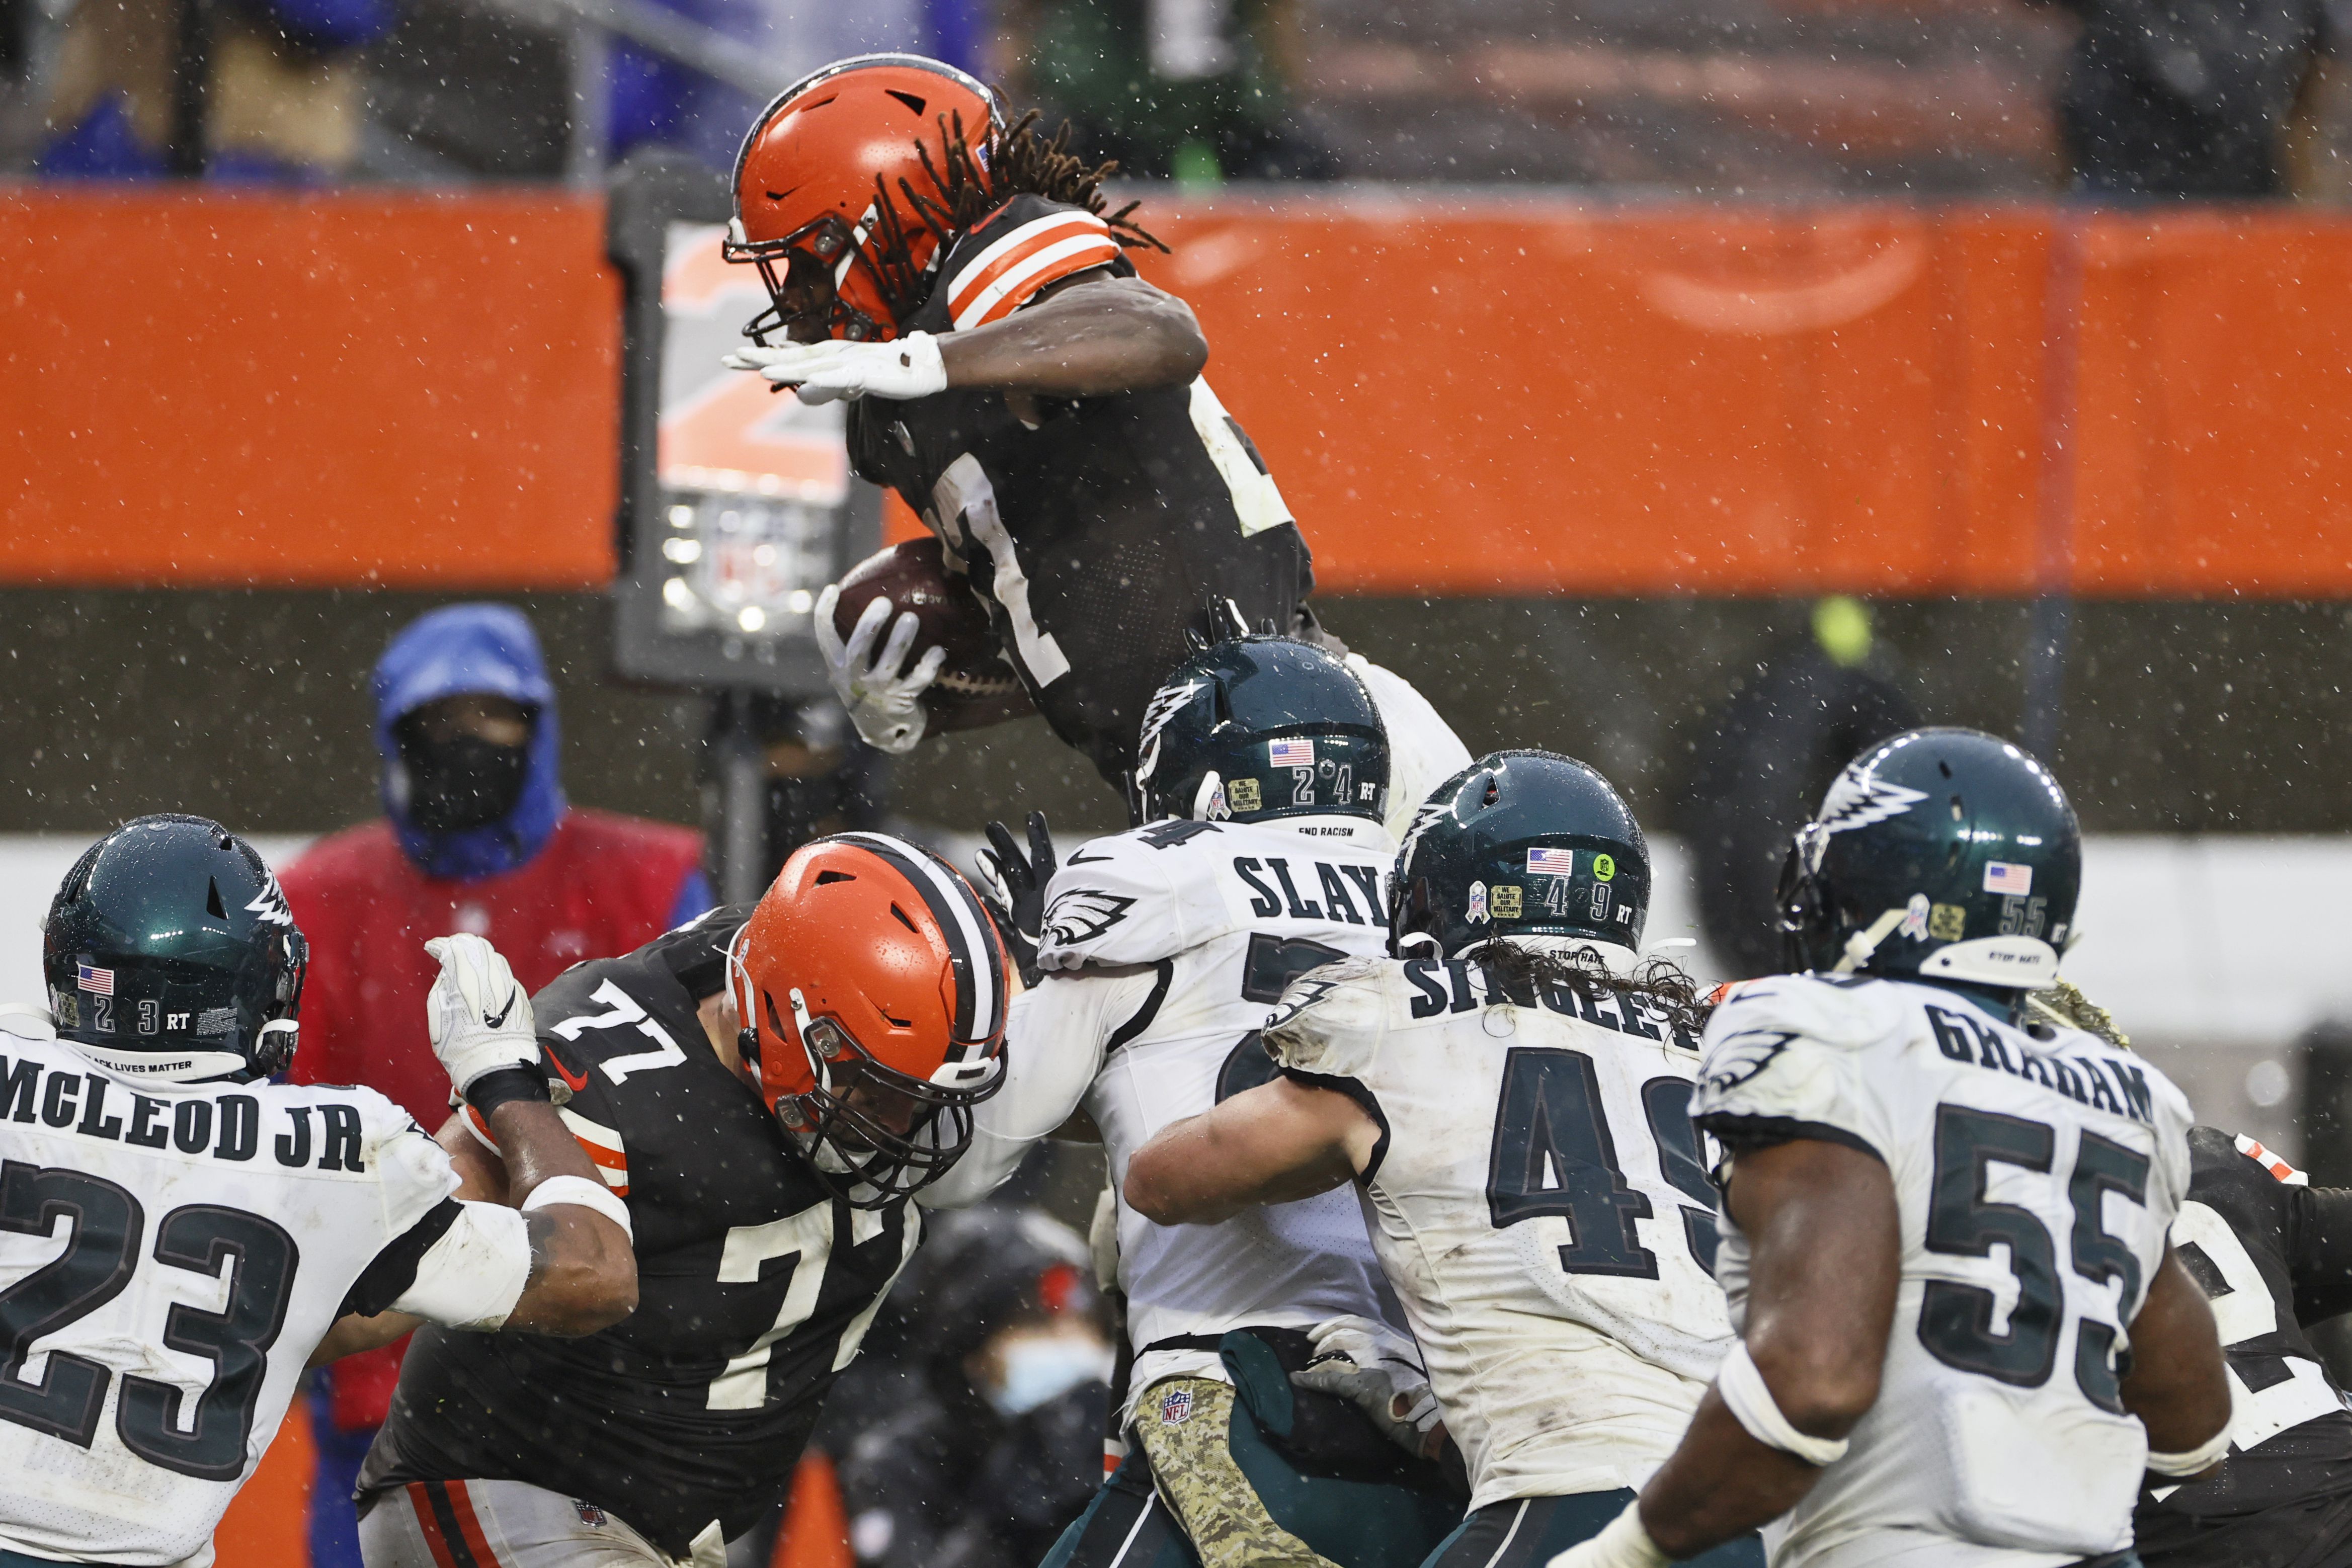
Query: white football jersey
point(1541, 1208)
point(1165, 949)
point(170, 1255)
point(2036, 1181)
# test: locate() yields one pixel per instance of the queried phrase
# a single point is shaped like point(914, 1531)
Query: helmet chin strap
point(1863, 943)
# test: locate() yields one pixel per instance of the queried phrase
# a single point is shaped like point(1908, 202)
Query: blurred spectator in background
point(2186, 98)
point(1764, 759)
point(233, 89)
point(1197, 90)
point(972, 1434)
point(477, 838)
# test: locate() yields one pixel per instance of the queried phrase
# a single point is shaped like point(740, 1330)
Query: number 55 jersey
point(1539, 1204)
point(2035, 1179)
point(754, 1285)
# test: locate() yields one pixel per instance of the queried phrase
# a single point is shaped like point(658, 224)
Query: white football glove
point(477, 1012)
point(830, 372)
point(1623, 1544)
point(1379, 1371)
point(883, 694)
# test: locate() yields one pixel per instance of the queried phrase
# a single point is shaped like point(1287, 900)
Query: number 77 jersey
point(754, 1285)
point(1538, 1205)
point(2036, 1181)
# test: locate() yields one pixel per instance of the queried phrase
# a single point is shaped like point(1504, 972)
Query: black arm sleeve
point(387, 1278)
point(2320, 1257)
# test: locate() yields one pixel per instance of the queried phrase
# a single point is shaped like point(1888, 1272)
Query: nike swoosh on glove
point(883, 694)
point(479, 1020)
point(908, 367)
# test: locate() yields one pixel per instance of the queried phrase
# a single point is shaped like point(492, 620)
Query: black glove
point(1015, 891)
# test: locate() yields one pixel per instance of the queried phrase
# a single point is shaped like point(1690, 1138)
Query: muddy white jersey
point(1165, 949)
point(170, 1255)
point(1540, 1206)
point(2036, 1180)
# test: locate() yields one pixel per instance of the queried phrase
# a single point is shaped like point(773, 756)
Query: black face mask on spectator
point(462, 782)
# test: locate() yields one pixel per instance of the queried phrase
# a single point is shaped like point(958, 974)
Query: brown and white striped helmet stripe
point(973, 948)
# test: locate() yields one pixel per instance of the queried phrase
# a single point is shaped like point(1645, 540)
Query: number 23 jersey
point(2036, 1181)
point(1538, 1205)
point(755, 1286)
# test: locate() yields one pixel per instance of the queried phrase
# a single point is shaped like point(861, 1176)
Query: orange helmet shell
point(887, 942)
point(821, 160)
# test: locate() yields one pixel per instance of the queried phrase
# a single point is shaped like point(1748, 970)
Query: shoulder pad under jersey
point(1849, 1013)
point(1331, 1018)
point(1007, 257)
point(1135, 897)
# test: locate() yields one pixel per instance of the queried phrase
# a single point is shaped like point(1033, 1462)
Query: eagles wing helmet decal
point(1164, 706)
point(269, 905)
point(1857, 800)
point(1083, 914)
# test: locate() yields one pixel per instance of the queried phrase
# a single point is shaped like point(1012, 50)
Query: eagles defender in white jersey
point(1511, 1092)
point(1965, 1338)
point(180, 1237)
point(1265, 767)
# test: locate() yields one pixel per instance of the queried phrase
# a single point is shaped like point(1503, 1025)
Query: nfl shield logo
point(1176, 1407)
point(1476, 913)
point(590, 1514)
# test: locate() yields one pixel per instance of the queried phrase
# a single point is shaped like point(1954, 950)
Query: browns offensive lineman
point(765, 1089)
point(1037, 403)
point(179, 1234)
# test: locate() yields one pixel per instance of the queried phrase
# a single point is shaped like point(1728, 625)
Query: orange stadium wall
point(1459, 398)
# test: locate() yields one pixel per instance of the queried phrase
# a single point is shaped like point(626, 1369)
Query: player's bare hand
point(1014, 887)
point(883, 693)
point(908, 367)
point(479, 1018)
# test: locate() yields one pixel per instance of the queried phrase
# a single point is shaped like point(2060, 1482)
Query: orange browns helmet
point(818, 179)
point(870, 964)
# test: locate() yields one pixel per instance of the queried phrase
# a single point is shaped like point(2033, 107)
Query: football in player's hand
point(975, 685)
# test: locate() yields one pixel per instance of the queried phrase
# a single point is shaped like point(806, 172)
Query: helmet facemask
point(858, 1155)
point(878, 272)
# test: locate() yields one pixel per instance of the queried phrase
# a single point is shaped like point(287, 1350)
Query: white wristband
point(1622, 1542)
point(1751, 1404)
point(585, 1194)
point(2199, 1458)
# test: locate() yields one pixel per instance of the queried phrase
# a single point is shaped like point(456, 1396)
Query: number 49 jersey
point(2036, 1180)
point(1539, 1206)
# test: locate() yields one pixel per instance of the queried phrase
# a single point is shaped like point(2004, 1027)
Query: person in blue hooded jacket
point(477, 837)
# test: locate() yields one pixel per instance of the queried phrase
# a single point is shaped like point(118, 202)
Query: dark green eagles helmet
point(170, 953)
point(1945, 854)
point(1521, 843)
point(1260, 727)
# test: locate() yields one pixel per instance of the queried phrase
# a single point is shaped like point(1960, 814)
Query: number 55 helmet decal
point(871, 986)
point(1947, 853)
